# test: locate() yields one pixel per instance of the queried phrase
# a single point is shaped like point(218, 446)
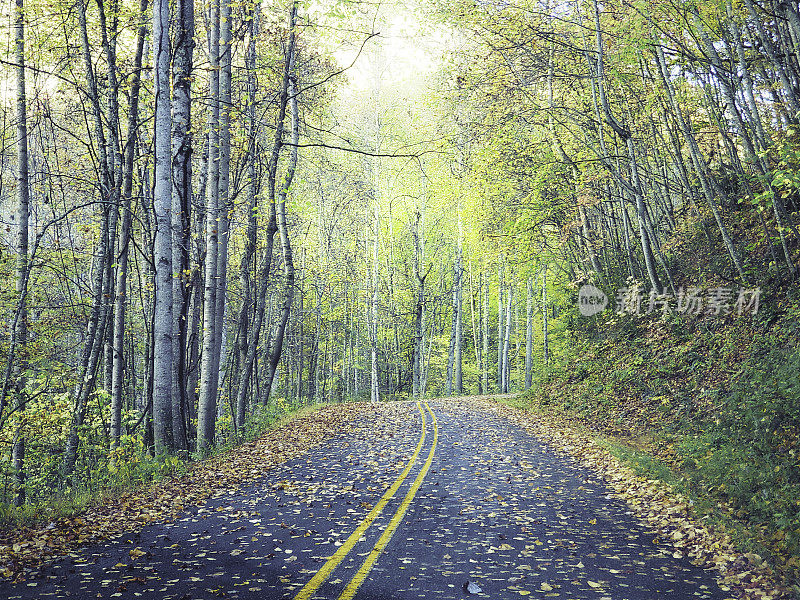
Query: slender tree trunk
point(458, 307)
point(485, 366)
point(90, 357)
point(224, 205)
point(314, 366)
point(195, 333)
point(20, 332)
point(114, 157)
point(93, 343)
point(209, 370)
point(163, 359)
point(545, 341)
point(299, 329)
point(529, 335)
point(181, 213)
point(475, 329)
point(272, 228)
point(289, 95)
point(451, 349)
point(507, 342)
point(626, 137)
point(283, 228)
point(746, 78)
point(779, 63)
point(418, 233)
point(245, 266)
point(500, 328)
point(373, 330)
point(121, 299)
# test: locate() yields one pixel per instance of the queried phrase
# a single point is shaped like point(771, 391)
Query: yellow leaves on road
point(137, 553)
point(26, 549)
point(667, 511)
point(506, 547)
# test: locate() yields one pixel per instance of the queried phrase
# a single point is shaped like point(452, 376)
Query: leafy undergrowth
point(101, 474)
point(673, 515)
point(709, 404)
point(23, 550)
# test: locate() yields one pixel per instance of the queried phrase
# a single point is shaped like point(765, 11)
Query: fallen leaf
point(472, 588)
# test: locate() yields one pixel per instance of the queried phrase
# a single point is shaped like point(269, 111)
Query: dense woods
point(216, 212)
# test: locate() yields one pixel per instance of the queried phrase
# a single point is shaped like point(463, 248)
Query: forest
point(216, 213)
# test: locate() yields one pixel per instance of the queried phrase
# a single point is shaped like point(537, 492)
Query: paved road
point(463, 505)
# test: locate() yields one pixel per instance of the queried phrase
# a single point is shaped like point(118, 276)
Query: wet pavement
point(496, 515)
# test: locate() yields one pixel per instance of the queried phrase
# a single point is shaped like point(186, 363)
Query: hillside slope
point(710, 403)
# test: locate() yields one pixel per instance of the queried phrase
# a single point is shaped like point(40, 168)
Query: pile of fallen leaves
point(22, 551)
point(670, 514)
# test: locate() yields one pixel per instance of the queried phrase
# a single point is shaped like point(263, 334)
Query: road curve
point(445, 499)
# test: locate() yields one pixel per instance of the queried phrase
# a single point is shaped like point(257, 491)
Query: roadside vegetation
point(707, 403)
point(128, 469)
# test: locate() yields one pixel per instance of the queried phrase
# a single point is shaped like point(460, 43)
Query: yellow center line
point(325, 571)
point(369, 562)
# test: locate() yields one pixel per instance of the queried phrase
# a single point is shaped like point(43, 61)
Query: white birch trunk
point(181, 208)
point(162, 326)
point(20, 332)
point(485, 365)
point(207, 403)
point(500, 328)
point(507, 341)
point(529, 335)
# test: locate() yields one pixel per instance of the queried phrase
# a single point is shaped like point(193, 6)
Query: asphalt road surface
point(443, 500)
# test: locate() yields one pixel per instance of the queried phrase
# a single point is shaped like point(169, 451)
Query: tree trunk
point(121, 299)
point(209, 371)
point(223, 199)
point(246, 263)
point(458, 308)
point(451, 349)
point(96, 325)
point(162, 327)
point(500, 328)
point(181, 213)
point(475, 330)
point(545, 344)
point(529, 335)
point(114, 157)
point(507, 341)
point(373, 329)
point(20, 332)
point(314, 366)
point(288, 96)
point(633, 164)
point(418, 234)
point(283, 228)
point(485, 328)
point(779, 63)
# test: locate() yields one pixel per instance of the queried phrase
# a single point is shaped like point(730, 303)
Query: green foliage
point(128, 467)
point(711, 406)
point(748, 451)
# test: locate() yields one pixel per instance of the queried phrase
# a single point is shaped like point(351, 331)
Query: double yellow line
point(325, 571)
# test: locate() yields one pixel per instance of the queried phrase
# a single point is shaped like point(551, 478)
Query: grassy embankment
point(709, 404)
point(132, 468)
